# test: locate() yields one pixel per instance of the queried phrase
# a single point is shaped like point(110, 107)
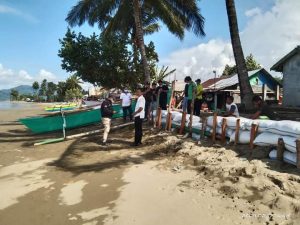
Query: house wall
point(263, 79)
point(291, 82)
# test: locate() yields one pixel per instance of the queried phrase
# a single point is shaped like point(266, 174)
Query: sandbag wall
point(268, 133)
point(176, 120)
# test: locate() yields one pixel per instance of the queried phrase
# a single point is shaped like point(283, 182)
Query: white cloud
point(10, 78)
point(9, 10)
point(268, 35)
point(200, 61)
point(253, 12)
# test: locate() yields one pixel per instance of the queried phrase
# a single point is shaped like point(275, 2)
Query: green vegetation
point(129, 17)
point(251, 64)
point(106, 61)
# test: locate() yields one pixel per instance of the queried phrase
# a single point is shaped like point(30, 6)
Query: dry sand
point(167, 181)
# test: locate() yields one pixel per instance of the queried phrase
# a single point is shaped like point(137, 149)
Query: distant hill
point(22, 89)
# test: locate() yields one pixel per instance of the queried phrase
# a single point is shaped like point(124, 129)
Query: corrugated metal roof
point(233, 80)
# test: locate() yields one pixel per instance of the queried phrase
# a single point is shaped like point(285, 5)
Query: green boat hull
point(46, 124)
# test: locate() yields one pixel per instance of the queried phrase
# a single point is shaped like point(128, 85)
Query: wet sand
point(167, 181)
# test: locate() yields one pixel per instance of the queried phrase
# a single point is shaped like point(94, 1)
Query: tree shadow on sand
point(117, 154)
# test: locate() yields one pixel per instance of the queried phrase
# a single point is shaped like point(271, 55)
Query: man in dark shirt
point(106, 113)
point(163, 89)
point(262, 109)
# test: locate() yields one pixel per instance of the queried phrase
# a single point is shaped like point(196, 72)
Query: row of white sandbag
point(262, 139)
point(288, 157)
point(177, 116)
point(283, 127)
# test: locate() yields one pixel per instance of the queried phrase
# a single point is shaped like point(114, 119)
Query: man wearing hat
point(106, 113)
point(198, 99)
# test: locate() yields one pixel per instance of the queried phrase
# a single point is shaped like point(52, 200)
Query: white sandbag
point(273, 154)
point(263, 125)
point(231, 122)
point(195, 136)
point(290, 143)
point(197, 126)
point(175, 113)
point(290, 157)
point(286, 127)
point(210, 121)
point(154, 113)
point(229, 132)
point(176, 123)
point(195, 118)
point(244, 137)
point(164, 113)
point(267, 139)
point(177, 117)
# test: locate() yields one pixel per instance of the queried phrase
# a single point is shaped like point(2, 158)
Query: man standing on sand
point(198, 99)
point(126, 104)
point(163, 96)
point(191, 93)
point(107, 113)
point(139, 115)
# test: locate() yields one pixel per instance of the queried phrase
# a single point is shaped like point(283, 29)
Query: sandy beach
point(167, 181)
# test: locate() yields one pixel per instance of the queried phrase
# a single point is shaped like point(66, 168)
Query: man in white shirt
point(231, 108)
point(139, 115)
point(126, 104)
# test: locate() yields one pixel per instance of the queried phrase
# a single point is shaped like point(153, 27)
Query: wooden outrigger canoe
point(74, 119)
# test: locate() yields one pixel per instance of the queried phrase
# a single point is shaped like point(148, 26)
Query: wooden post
point(157, 109)
point(214, 128)
point(169, 122)
point(237, 131)
point(158, 125)
point(264, 92)
point(277, 92)
point(182, 125)
point(169, 117)
point(204, 124)
point(298, 153)
point(224, 126)
point(192, 112)
point(280, 149)
point(253, 134)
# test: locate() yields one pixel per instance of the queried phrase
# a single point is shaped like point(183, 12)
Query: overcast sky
point(30, 30)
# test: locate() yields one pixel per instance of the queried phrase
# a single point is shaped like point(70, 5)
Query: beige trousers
point(106, 123)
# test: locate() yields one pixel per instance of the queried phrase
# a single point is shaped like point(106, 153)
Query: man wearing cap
point(126, 104)
point(106, 113)
point(198, 99)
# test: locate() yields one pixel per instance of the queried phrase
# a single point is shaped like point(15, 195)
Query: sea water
point(4, 105)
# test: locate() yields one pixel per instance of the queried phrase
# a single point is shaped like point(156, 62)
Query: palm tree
point(114, 16)
point(244, 83)
point(73, 82)
point(162, 73)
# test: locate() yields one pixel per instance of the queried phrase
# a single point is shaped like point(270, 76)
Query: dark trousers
point(138, 126)
point(197, 107)
point(126, 110)
point(189, 106)
point(163, 104)
point(147, 109)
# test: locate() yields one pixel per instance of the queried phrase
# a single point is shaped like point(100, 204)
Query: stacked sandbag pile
point(269, 131)
point(177, 117)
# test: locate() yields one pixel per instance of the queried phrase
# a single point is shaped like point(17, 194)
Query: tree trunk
point(140, 37)
point(244, 83)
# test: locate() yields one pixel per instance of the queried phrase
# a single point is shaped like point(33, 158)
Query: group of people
point(149, 98)
point(192, 99)
point(262, 108)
